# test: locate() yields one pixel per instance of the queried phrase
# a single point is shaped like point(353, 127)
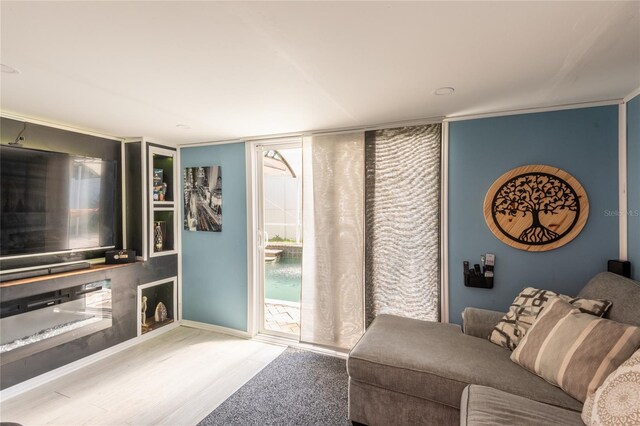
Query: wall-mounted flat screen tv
point(52, 202)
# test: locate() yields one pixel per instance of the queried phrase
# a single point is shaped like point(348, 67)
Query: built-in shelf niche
point(162, 291)
point(162, 172)
point(163, 231)
point(162, 191)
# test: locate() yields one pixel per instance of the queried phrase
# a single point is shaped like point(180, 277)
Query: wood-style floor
point(176, 378)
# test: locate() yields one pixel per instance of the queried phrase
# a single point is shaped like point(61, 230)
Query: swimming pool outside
point(282, 279)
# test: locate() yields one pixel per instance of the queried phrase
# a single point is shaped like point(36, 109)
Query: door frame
point(255, 233)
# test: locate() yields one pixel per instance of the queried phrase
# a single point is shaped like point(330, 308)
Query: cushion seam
point(467, 407)
point(414, 370)
point(530, 399)
point(408, 394)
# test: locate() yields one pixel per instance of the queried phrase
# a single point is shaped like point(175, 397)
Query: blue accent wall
point(214, 264)
point(583, 142)
point(633, 184)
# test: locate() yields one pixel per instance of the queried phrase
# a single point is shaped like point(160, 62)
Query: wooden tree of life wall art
point(536, 208)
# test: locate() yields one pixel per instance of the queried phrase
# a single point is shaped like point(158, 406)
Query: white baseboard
point(216, 328)
point(49, 376)
point(264, 338)
point(280, 341)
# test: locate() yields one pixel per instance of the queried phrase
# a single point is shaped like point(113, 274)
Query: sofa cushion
point(617, 400)
point(574, 350)
point(436, 361)
point(622, 292)
point(526, 307)
point(485, 406)
point(479, 322)
point(376, 406)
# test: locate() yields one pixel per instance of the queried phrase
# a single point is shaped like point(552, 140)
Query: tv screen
point(53, 202)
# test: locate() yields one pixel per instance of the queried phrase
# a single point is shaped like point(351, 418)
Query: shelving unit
point(165, 291)
point(143, 210)
point(143, 214)
point(162, 204)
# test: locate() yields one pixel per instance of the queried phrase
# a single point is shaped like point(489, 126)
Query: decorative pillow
point(617, 400)
point(574, 350)
point(527, 306)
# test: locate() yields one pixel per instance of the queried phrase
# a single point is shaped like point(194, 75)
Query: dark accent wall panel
point(124, 282)
point(52, 139)
point(132, 152)
point(58, 140)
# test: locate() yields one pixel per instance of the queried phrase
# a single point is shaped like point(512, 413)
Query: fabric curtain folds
point(332, 301)
point(382, 187)
point(403, 222)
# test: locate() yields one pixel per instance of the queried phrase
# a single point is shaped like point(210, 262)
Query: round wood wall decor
point(536, 208)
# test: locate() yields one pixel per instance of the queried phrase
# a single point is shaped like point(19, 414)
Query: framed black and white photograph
point(203, 198)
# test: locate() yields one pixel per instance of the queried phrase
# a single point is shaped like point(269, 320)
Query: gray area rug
point(297, 388)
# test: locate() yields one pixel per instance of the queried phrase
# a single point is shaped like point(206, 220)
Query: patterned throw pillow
point(617, 400)
point(573, 350)
point(524, 310)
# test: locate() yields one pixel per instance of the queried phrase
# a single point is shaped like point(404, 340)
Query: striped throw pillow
point(526, 307)
point(574, 350)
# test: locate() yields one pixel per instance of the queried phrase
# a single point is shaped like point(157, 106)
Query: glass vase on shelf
point(158, 235)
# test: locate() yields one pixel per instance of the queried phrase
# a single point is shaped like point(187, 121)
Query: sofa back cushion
point(622, 292)
point(574, 350)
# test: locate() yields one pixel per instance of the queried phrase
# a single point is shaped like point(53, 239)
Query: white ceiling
point(239, 69)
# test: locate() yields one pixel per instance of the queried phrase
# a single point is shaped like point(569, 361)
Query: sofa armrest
point(479, 322)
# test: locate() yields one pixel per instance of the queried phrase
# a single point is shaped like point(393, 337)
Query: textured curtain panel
point(332, 302)
point(402, 205)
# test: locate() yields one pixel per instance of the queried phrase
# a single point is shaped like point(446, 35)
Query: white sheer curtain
point(332, 302)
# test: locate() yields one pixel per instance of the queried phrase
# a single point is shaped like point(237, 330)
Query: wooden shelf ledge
point(151, 324)
point(96, 267)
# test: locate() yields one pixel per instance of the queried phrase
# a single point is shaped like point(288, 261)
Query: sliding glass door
point(279, 241)
point(370, 211)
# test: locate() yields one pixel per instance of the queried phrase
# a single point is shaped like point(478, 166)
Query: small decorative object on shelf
point(112, 257)
point(162, 193)
point(157, 184)
point(143, 313)
point(161, 312)
point(158, 236)
point(157, 304)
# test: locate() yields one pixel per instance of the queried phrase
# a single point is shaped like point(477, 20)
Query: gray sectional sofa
point(407, 372)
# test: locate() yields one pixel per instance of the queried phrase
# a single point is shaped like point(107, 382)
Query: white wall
point(281, 205)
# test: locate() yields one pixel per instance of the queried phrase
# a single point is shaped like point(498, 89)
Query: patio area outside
point(283, 317)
